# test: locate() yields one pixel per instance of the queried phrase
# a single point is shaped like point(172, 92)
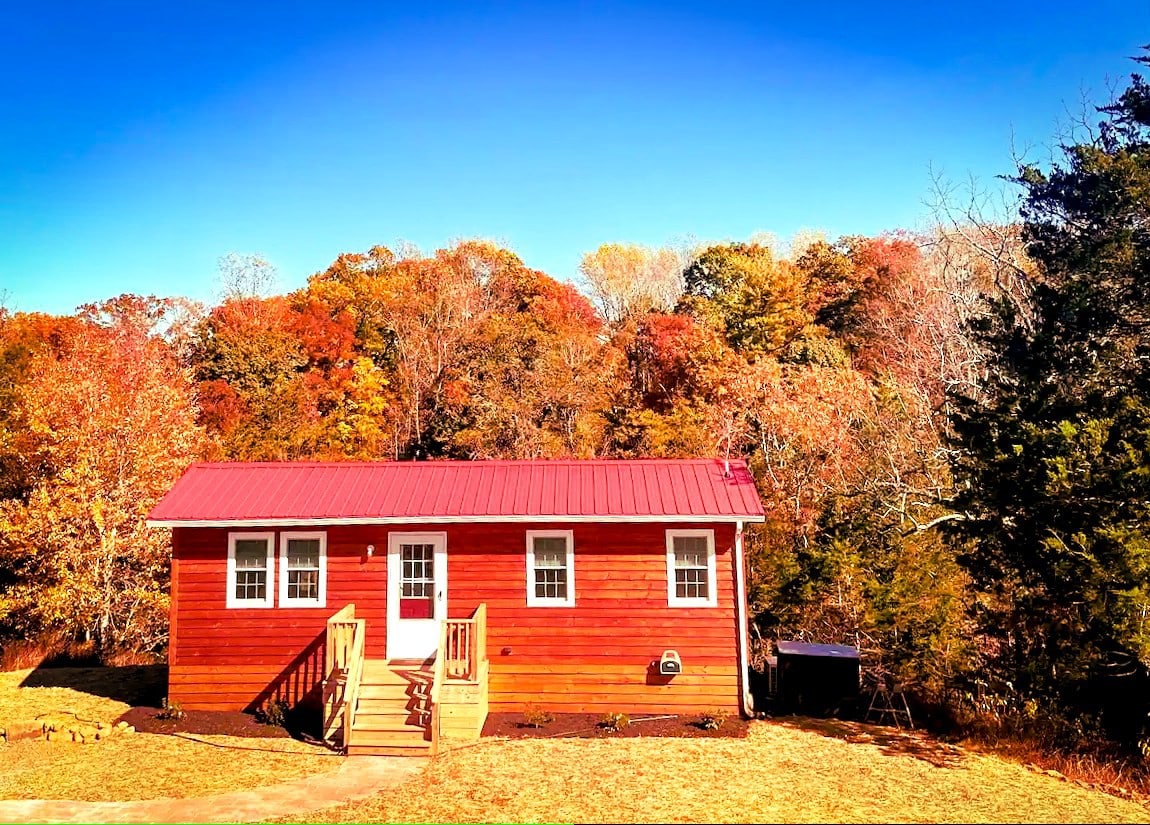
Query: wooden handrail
point(437, 685)
point(336, 647)
point(480, 636)
point(354, 677)
point(343, 661)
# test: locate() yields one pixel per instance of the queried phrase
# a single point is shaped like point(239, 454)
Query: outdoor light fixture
point(370, 550)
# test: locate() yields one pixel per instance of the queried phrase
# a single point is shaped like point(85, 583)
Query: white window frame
point(269, 540)
point(545, 601)
point(321, 601)
point(674, 600)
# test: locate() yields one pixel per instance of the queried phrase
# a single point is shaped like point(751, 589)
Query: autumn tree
point(111, 422)
point(248, 363)
point(833, 383)
point(670, 398)
point(22, 337)
point(755, 299)
point(631, 279)
point(534, 378)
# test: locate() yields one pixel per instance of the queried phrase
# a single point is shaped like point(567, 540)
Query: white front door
point(416, 593)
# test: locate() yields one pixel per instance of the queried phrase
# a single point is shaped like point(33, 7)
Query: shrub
point(615, 722)
point(712, 719)
point(170, 710)
point(536, 718)
point(273, 712)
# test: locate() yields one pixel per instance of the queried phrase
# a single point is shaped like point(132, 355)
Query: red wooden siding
point(595, 656)
point(232, 659)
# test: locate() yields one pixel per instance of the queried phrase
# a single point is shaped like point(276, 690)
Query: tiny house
point(409, 599)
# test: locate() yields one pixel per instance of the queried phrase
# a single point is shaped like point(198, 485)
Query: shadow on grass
point(890, 740)
point(136, 685)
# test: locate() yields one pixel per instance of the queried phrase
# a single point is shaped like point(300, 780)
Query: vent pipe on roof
point(726, 468)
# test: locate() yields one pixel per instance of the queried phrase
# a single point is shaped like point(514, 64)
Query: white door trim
point(415, 638)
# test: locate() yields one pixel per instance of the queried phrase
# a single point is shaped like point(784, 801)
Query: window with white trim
point(303, 569)
point(251, 569)
point(691, 568)
point(550, 568)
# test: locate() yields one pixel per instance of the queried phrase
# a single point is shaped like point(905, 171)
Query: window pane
point(417, 552)
point(303, 554)
point(551, 583)
point(416, 590)
point(417, 573)
point(251, 584)
point(251, 554)
point(303, 584)
point(690, 551)
point(692, 580)
point(550, 552)
point(691, 584)
point(550, 558)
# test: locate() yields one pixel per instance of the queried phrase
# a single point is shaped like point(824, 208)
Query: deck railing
point(463, 646)
point(343, 662)
point(460, 657)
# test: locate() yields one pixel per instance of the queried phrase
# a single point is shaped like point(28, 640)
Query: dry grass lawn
point(150, 766)
point(131, 766)
point(803, 772)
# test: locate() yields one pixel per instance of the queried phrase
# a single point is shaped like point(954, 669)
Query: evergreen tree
point(1054, 455)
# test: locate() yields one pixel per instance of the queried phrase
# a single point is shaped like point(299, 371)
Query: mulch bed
point(587, 726)
point(511, 725)
point(209, 722)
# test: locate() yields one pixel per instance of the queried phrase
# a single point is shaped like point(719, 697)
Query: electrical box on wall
point(670, 664)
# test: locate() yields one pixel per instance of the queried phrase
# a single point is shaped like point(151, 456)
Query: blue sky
point(139, 142)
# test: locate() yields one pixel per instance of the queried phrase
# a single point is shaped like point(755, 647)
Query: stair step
point(388, 709)
point(408, 704)
point(388, 726)
point(410, 738)
point(394, 693)
point(384, 750)
point(392, 722)
point(380, 672)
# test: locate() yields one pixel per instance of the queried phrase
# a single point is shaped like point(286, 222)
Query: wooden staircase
point(373, 707)
point(394, 710)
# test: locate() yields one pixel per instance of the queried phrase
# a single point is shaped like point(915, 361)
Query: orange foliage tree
point(110, 425)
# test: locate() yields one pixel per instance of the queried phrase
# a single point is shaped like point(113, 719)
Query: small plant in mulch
point(273, 712)
point(170, 710)
point(614, 722)
point(711, 720)
point(534, 717)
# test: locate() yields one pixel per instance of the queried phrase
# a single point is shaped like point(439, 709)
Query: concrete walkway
point(357, 778)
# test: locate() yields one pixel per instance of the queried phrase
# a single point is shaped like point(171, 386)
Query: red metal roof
point(447, 491)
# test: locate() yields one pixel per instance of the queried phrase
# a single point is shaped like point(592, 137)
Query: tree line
point(949, 429)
